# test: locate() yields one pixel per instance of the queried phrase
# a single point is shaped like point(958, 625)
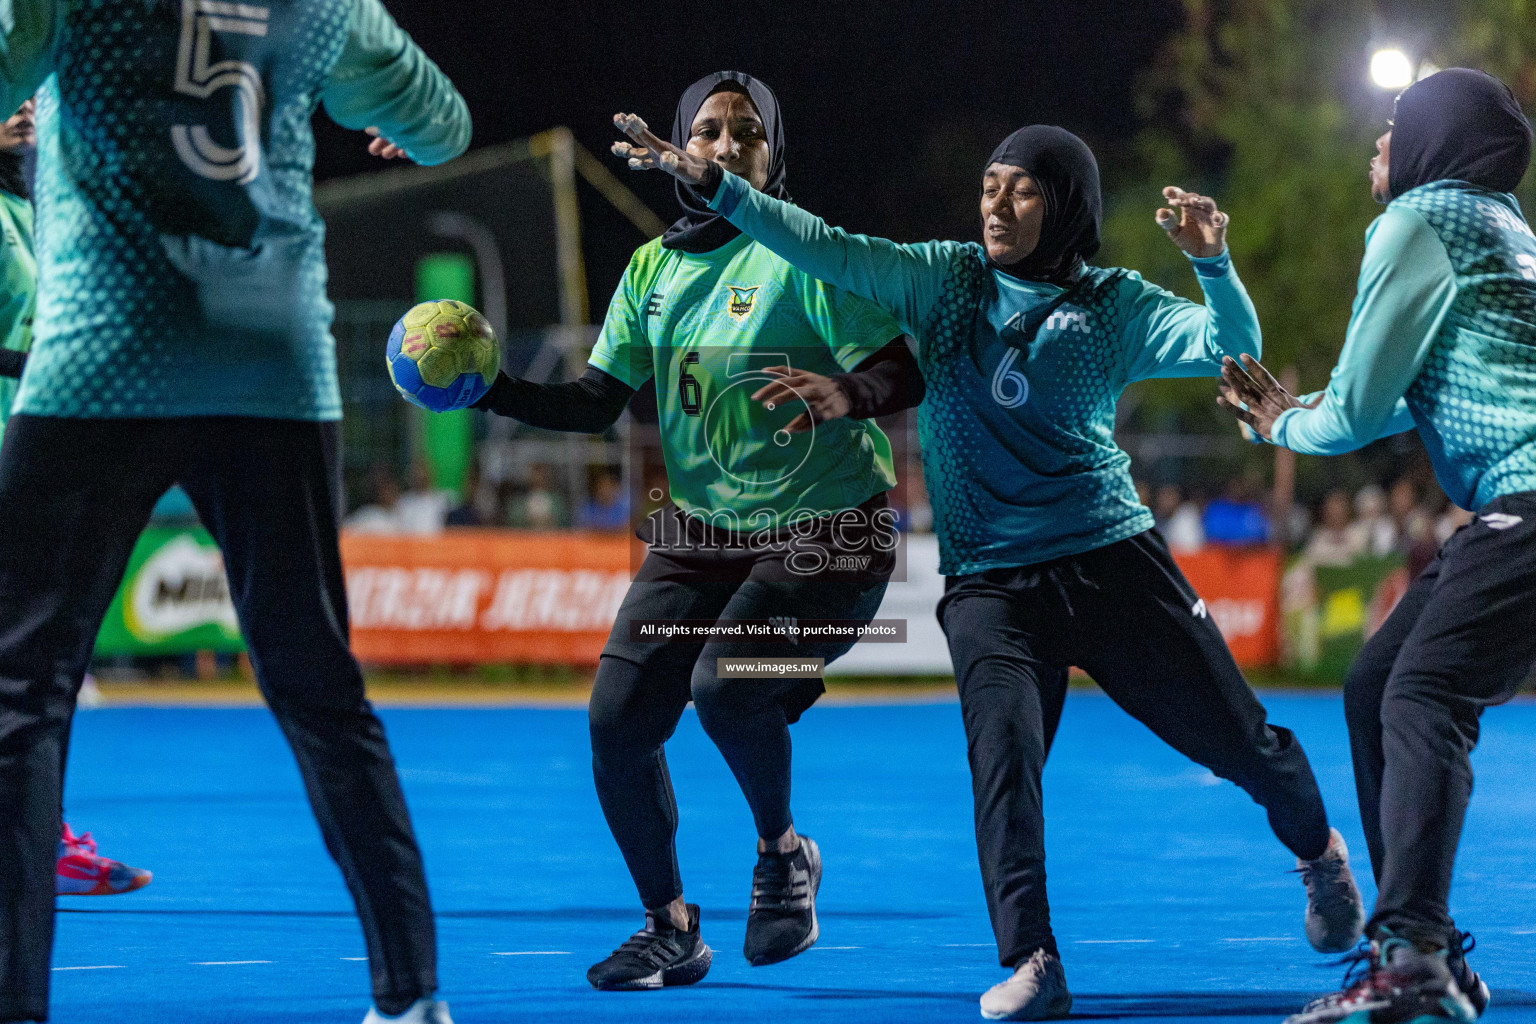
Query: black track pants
point(74, 495)
point(642, 688)
point(1126, 615)
point(1462, 638)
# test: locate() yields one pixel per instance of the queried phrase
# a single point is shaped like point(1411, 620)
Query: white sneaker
point(1036, 991)
point(1335, 912)
point(422, 1011)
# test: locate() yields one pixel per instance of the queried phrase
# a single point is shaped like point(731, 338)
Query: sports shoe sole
point(810, 936)
point(65, 886)
point(1058, 1011)
point(688, 972)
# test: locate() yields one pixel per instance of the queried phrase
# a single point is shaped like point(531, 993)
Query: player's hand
point(822, 394)
point(1193, 222)
point(1249, 384)
point(382, 147)
point(646, 152)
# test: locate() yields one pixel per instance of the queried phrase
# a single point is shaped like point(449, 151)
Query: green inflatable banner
point(174, 598)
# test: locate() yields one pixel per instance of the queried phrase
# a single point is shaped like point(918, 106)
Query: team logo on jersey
point(1501, 520)
point(1198, 610)
point(653, 308)
point(742, 301)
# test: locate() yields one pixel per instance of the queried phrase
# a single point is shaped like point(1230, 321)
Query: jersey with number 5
point(179, 250)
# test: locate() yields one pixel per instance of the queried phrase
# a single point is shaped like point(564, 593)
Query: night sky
point(890, 108)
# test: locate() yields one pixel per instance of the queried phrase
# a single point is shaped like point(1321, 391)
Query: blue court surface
point(1170, 897)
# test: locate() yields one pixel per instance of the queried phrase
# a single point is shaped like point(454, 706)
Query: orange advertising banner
point(483, 596)
point(1240, 588)
point(468, 597)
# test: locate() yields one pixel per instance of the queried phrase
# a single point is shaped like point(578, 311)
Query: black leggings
point(74, 496)
point(1462, 638)
point(642, 688)
point(1126, 615)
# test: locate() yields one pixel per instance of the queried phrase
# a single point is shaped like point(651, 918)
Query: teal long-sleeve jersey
point(180, 258)
point(1017, 425)
point(1443, 339)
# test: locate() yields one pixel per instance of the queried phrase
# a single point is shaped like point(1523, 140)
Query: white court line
point(95, 967)
point(226, 963)
point(1523, 931)
point(536, 952)
point(839, 947)
point(1265, 938)
point(1113, 942)
point(968, 945)
point(362, 958)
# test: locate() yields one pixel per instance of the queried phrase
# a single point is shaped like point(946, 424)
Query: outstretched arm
point(588, 405)
point(1168, 336)
point(1407, 286)
point(907, 280)
point(384, 83)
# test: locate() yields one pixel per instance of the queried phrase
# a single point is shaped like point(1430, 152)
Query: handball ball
point(442, 355)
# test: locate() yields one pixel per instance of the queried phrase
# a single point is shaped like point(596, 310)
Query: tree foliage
point(1266, 105)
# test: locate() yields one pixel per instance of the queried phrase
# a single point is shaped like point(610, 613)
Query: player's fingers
point(630, 151)
point(775, 393)
point(799, 425)
point(636, 128)
point(1168, 220)
point(1260, 373)
point(1173, 193)
point(371, 130)
point(1238, 411)
point(1239, 381)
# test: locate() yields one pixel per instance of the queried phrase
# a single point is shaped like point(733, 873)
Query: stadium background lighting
point(1391, 69)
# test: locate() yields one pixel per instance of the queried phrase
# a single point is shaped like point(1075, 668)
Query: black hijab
point(1458, 124)
point(701, 229)
point(1068, 177)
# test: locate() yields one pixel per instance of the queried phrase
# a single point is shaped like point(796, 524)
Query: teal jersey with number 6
point(180, 254)
point(706, 326)
point(1018, 421)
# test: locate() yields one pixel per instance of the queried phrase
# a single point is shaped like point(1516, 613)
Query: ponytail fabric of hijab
point(701, 229)
point(1459, 125)
point(1064, 170)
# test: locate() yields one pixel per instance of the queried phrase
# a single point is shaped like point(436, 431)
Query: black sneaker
point(658, 954)
point(1473, 987)
point(782, 921)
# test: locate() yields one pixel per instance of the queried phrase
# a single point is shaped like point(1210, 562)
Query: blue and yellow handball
point(442, 355)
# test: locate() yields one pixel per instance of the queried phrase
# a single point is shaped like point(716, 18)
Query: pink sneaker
point(81, 871)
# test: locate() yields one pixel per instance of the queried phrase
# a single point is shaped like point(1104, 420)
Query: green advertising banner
point(1331, 610)
point(174, 598)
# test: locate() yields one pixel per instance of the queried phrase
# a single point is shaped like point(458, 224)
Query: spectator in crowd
point(1179, 520)
point(917, 514)
point(424, 508)
point(1411, 520)
point(478, 505)
point(540, 507)
point(1375, 533)
point(1333, 542)
point(1237, 517)
point(608, 506)
point(379, 516)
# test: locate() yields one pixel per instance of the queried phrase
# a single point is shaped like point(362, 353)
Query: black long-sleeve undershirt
point(886, 382)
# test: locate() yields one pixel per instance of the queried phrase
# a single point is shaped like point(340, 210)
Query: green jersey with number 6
point(182, 258)
point(707, 326)
point(18, 287)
